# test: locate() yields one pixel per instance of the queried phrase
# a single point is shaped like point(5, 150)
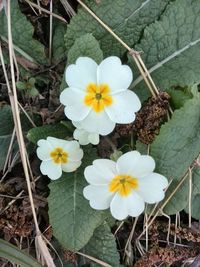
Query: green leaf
point(15, 255)
point(71, 217)
point(103, 246)
point(22, 34)
point(21, 85)
point(127, 18)
point(178, 97)
point(33, 92)
point(170, 47)
point(55, 130)
point(86, 46)
point(6, 130)
point(31, 81)
point(58, 48)
point(175, 148)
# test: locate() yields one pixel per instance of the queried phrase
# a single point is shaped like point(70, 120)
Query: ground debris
point(148, 120)
point(169, 255)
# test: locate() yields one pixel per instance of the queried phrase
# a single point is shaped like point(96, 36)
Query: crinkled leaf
point(127, 18)
point(102, 246)
point(85, 46)
point(22, 34)
point(55, 130)
point(58, 49)
point(175, 148)
point(71, 217)
point(170, 47)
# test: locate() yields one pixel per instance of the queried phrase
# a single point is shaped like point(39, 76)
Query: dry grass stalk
point(136, 56)
point(42, 248)
point(50, 30)
point(104, 264)
point(69, 9)
point(45, 11)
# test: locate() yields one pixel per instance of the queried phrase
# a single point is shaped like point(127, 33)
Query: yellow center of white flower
point(123, 184)
point(59, 155)
point(98, 96)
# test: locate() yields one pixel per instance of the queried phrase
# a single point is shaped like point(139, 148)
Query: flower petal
point(132, 163)
point(93, 138)
point(82, 136)
point(135, 204)
point(44, 149)
point(99, 196)
point(82, 73)
point(52, 170)
point(71, 166)
point(124, 106)
point(151, 187)
point(101, 172)
point(77, 124)
point(118, 207)
point(75, 108)
point(126, 161)
point(121, 207)
point(71, 147)
point(143, 167)
point(98, 123)
point(56, 142)
point(112, 72)
point(76, 155)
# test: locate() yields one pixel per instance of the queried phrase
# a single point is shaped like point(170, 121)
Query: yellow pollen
point(123, 184)
point(98, 96)
point(59, 156)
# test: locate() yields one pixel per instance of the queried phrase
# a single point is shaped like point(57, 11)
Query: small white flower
point(84, 137)
point(97, 96)
point(58, 155)
point(125, 185)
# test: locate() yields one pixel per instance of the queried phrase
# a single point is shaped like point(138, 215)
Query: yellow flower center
point(59, 156)
point(98, 96)
point(123, 184)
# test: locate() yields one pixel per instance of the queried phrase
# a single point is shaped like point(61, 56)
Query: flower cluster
point(58, 155)
point(97, 98)
point(125, 185)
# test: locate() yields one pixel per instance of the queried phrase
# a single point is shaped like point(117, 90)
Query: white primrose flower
point(84, 137)
point(97, 96)
point(125, 185)
point(58, 155)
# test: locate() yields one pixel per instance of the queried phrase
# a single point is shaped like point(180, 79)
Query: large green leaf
point(127, 18)
point(15, 255)
point(71, 217)
point(87, 46)
point(176, 147)
point(170, 47)
point(102, 246)
point(22, 34)
point(55, 130)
